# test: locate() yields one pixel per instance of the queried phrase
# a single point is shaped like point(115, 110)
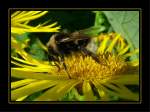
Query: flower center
point(86, 68)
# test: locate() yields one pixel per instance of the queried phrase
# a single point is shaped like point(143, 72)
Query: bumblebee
point(64, 43)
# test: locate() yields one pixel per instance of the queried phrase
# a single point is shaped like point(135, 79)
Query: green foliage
point(101, 21)
point(36, 50)
point(21, 38)
point(73, 95)
point(33, 47)
point(100, 24)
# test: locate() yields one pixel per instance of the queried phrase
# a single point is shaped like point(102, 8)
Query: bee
point(64, 43)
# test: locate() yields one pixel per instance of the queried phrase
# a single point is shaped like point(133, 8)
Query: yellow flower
point(20, 20)
point(90, 81)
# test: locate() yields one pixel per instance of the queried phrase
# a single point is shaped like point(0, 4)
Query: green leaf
point(101, 24)
point(127, 24)
point(22, 37)
point(93, 31)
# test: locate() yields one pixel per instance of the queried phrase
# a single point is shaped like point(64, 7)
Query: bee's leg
point(65, 67)
point(94, 56)
point(57, 66)
point(87, 52)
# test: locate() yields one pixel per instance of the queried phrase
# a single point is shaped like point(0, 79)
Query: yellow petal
point(103, 45)
point(125, 92)
point(33, 75)
point(126, 79)
point(123, 51)
point(55, 93)
point(27, 17)
point(112, 44)
point(17, 84)
point(31, 88)
point(21, 61)
point(134, 62)
point(15, 13)
point(131, 53)
point(22, 98)
point(87, 91)
point(122, 92)
point(102, 93)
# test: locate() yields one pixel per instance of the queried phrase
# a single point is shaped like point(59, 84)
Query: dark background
point(143, 4)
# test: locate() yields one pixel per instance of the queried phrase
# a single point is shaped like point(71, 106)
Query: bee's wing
point(74, 36)
point(82, 34)
point(71, 39)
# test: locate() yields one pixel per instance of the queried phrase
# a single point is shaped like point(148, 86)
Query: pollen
point(84, 67)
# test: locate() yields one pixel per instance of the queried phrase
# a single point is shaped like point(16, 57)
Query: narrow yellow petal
point(17, 30)
point(22, 98)
point(26, 22)
point(114, 88)
point(112, 93)
point(18, 14)
point(77, 95)
point(51, 25)
point(17, 84)
point(42, 45)
point(46, 22)
point(31, 88)
point(134, 62)
point(40, 29)
point(126, 79)
point(112, 44)
point(87, 91)
point(29, 16)
point(33, 75)
point(123, 92)
point(15, 14)
point(127, 93)
point(102, 93)
point(103, 45)
point(123, 44)
point(21, 61)
point(26, 65)
point(27, 57)
point(55, 93)
point(19, 25)
point(136, 51)
point(123, 51)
